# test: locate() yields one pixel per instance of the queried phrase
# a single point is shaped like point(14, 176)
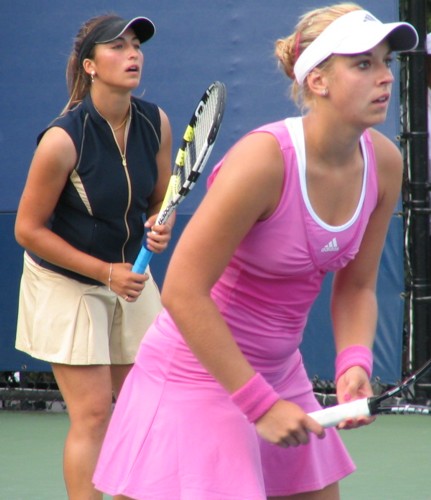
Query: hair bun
point(285, 55)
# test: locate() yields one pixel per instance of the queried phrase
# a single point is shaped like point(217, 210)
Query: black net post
point(416, 193)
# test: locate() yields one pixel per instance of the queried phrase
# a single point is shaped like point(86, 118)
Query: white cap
point(354, 33)
point(428, 44)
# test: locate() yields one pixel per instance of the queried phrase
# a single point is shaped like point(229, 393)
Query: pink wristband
point(255, 397)
point(354, 355)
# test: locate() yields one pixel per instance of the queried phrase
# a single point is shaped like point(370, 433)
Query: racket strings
point(197, 143)
point(201, 132)
point(198, 140)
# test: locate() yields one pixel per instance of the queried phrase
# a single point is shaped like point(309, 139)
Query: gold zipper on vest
point(126, 171)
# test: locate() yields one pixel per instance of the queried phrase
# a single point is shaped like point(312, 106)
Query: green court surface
point(393, 458)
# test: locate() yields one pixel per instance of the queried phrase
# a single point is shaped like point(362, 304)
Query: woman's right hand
point(286, 424)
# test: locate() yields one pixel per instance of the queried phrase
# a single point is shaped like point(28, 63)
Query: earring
point(324, 92)
point(92, 76)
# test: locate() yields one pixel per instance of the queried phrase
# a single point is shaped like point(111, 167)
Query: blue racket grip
point(142, 260)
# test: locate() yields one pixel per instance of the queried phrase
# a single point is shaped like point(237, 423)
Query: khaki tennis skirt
point(61, 320)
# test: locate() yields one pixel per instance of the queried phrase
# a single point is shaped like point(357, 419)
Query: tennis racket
point(376, 405)
point(197, 143)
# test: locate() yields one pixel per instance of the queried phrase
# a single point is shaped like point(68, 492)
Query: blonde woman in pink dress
point(215, 407)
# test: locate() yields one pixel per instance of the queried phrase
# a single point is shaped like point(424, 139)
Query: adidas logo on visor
point(369, 17)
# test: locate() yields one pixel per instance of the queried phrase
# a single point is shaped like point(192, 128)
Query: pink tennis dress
point(175, 433)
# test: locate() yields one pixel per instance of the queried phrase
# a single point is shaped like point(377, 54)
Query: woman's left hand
point(158, 236)
point(354, 384)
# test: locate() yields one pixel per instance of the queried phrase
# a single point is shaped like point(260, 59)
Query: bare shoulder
point(389, 165)
point(163, 117)
point(57, 148)
point(258, 152)
point(387, 152)
point(256, 164)
point(57, 137)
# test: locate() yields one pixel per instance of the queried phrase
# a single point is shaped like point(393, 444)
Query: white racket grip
point(332, 416)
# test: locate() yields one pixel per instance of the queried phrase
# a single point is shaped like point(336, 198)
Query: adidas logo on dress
point(332, 246)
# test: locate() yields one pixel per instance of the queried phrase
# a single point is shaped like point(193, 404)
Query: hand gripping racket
point(196, 146)
point(329, 417)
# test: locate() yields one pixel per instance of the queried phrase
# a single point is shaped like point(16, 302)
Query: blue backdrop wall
point(196, 42)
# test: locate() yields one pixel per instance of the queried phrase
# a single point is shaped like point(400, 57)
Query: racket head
point(196, 145)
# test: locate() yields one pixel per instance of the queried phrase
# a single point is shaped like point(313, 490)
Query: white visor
point(354, 33)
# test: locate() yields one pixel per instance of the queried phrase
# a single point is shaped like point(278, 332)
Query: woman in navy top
point(97, 179)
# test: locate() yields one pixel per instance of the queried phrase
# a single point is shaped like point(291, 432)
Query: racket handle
point(332, 416)
point(142, 261)
point(144, 256)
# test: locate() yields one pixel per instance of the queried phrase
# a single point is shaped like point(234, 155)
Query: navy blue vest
point(102, 208)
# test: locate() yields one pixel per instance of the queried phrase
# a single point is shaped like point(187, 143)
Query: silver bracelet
point(110, 276)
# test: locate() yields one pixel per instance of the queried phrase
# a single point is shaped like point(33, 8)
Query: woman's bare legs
point(87, 392)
